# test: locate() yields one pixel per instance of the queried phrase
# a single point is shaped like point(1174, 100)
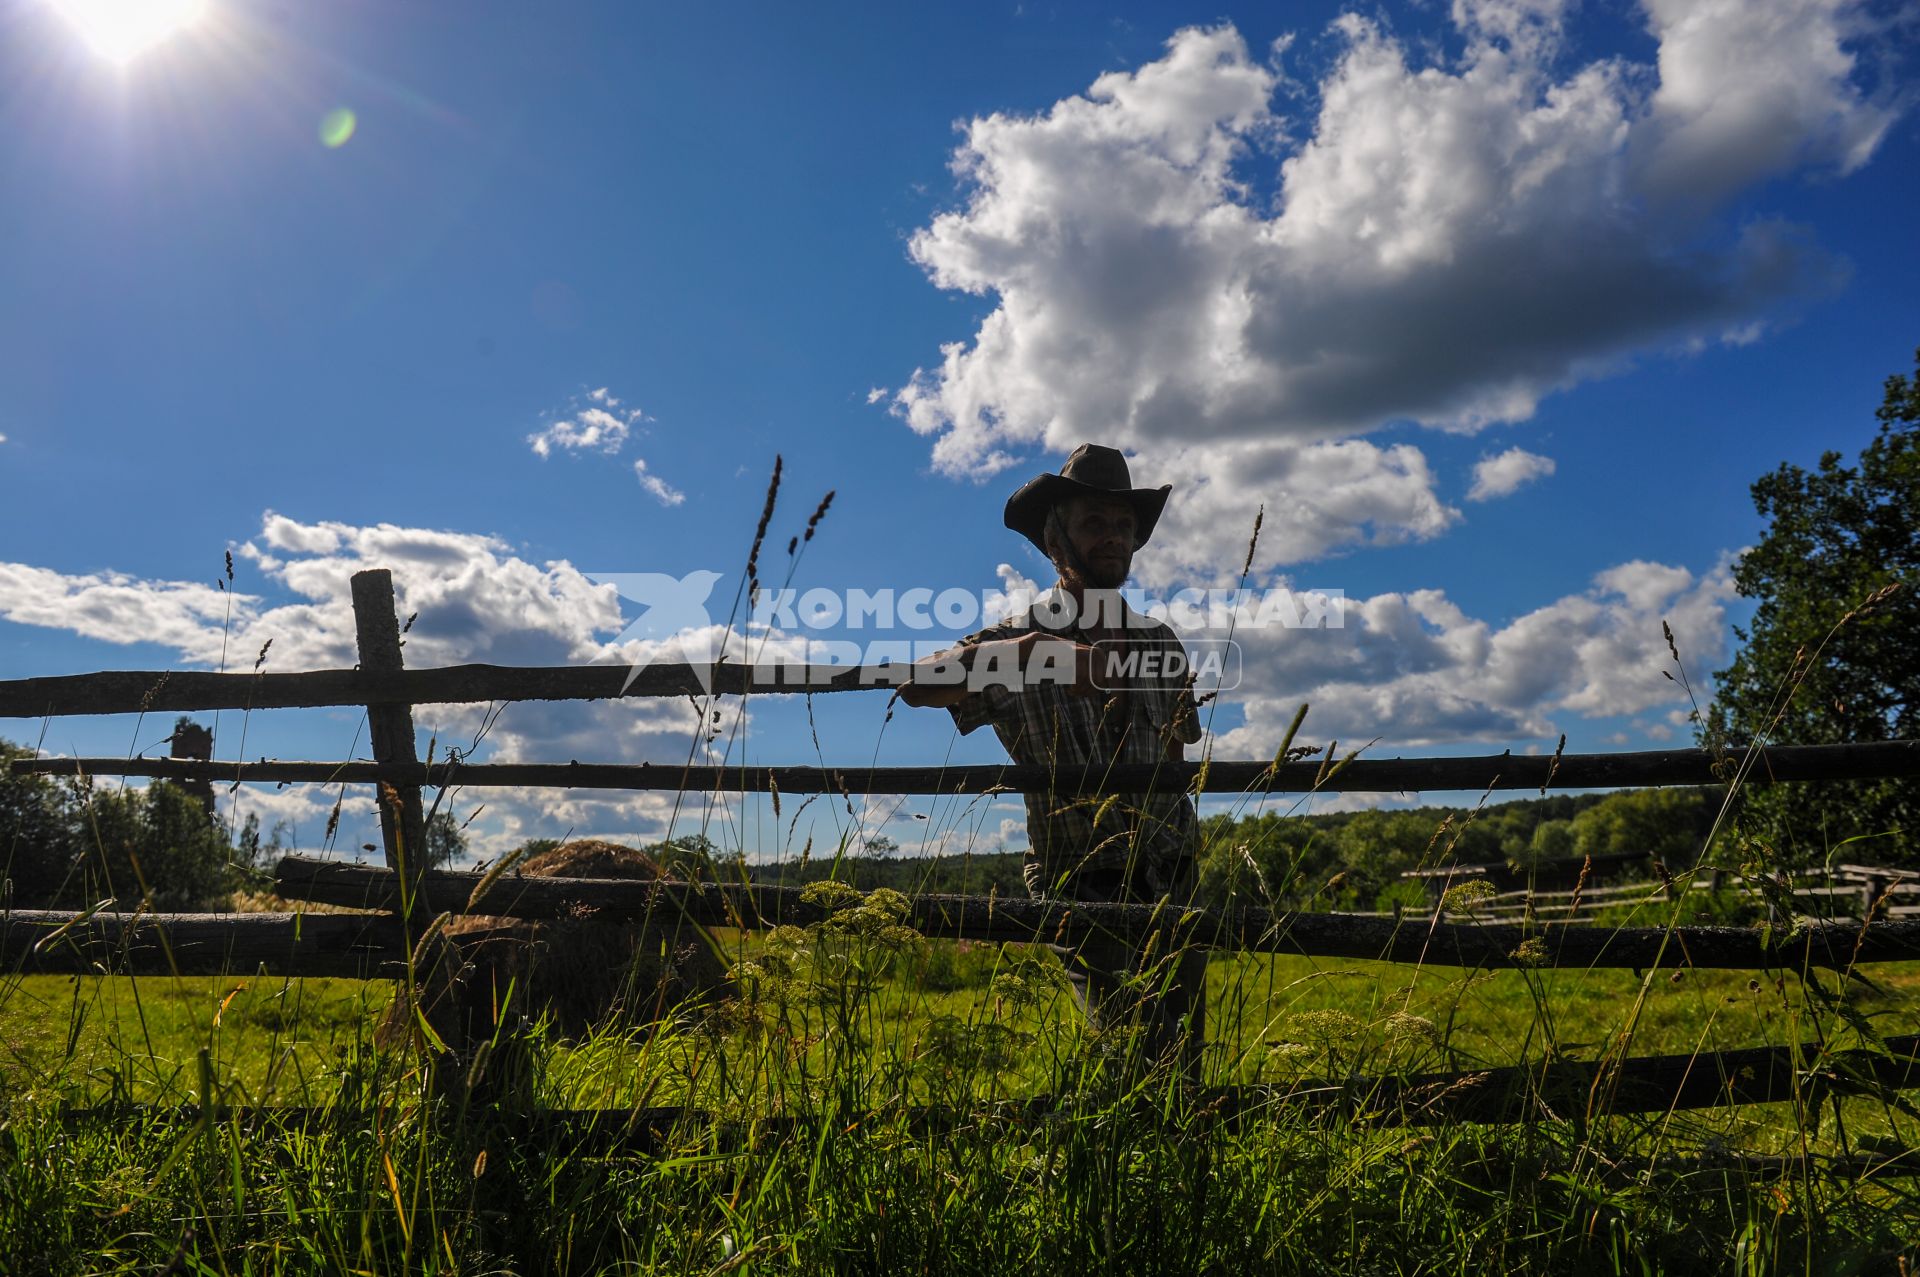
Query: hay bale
point(581, 971)
point(590, 858)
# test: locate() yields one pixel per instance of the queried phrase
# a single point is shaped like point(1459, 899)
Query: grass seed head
point(1465, 897)
point(1403, 1026)
point(1531, 952)
point(760, 531)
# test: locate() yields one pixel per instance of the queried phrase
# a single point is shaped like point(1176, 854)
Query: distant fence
point(380, 943)
point(1855, 891)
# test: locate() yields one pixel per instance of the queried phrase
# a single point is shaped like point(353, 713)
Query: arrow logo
point(675, 618)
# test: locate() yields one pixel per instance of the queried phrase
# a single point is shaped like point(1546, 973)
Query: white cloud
point(283, 533)
point(601, 422)
point(472, 599)
point(1506, 473)
point(598, 421)
point(587, 430)
point(1319, 498)
point(303, 807)
point(112, 606)
point(1449, 242)
point(1414, 669)
point(1750, 90)
point(656, 487)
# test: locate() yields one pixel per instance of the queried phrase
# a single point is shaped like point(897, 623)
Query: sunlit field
point(859, 1099)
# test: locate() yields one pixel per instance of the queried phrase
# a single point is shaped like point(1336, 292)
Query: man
point(1055, 685)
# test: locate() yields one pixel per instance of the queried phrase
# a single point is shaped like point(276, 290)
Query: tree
point(72, 845)
point(154, 844)
point(1552, 840)
point(37, 852)
point(692, 858)
point(1667, 825)
point(1830, 656)
point(253, 855)
point(446, 841)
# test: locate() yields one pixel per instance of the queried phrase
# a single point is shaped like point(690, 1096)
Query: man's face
point(1102, 532)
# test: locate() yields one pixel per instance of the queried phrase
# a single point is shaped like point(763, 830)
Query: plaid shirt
point(1149, 840)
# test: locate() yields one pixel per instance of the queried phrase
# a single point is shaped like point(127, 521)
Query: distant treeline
point(1353, 860)
point(878, 865)
point(69, 846)
point(1346, 860)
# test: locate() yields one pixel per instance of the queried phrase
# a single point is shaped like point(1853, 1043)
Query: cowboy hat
point(1092, 471)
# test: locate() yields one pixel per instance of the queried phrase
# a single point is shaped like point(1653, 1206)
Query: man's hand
point(946, 678)
point(938, 681)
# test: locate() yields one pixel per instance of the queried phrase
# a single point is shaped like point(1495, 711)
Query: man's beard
point(1105, 576)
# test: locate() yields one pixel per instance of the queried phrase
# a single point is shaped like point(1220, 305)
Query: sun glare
point(121, 30)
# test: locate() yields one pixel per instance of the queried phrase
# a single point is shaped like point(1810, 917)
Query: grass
point(836, 1035)
point(274, 1041)
point(853, 1087)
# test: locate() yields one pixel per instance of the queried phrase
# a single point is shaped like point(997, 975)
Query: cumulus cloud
point(1411, 668)
point(184, 615)
point(1414, 669)
point(472, 599)
point(1180, 268)
point(1749, 90)
point(1317, 499)
point(1506, 473)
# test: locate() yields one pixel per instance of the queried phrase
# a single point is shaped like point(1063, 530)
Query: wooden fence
point(403, 898)
point(1861, 892)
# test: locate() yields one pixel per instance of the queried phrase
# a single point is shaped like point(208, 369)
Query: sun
point(121, 30)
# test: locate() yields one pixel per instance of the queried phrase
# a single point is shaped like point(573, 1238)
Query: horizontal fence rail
point(1379, 775)
point(1409, 939)
point(162, 691)
point(52, 942)
point(375, 945)
point(1562, 1089)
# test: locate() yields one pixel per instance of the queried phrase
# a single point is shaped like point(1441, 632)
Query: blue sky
point(1327, 260)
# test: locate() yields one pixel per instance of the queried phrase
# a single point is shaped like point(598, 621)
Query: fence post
point(377, 632)
point(191, 740)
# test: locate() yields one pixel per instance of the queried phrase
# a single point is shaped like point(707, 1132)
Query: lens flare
point(121, 30)
point(336, 128)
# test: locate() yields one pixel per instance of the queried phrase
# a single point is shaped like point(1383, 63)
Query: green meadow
point(805, 1083)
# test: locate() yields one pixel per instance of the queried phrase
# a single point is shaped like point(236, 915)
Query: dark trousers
point(1123, 983)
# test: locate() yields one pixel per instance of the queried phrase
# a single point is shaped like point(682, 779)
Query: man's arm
point(941, 681)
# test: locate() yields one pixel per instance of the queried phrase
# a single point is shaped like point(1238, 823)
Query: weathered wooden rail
point(332, 944)
point(384, 943)
point(1377, 775)
point(1558, 1090)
